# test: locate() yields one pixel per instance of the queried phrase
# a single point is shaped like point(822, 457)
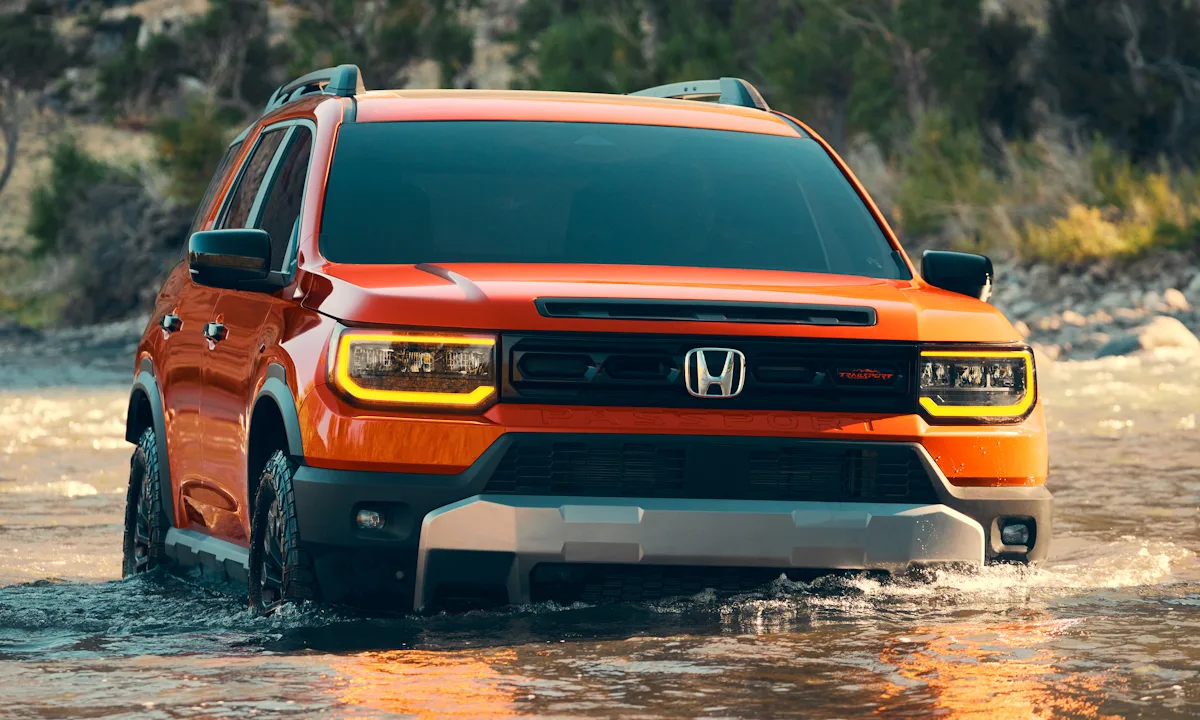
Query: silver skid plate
point(727, 533)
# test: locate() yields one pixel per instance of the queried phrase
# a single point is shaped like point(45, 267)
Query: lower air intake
point(712, 468)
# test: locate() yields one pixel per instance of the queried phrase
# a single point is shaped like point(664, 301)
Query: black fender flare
point(276, 389)
point(145, 385)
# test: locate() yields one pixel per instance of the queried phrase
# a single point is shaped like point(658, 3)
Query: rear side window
point(210, 194)
point(281, 210)
point(544, 192)
point(238, 213)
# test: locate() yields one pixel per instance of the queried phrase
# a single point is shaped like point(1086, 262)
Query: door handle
point(171, 322)
point(215, 332)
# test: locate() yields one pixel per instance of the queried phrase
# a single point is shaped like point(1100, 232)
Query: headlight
point(396, 368)
point(988, 385)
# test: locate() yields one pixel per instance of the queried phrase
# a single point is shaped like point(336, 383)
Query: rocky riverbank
point(1103, 308)
point(88, 356)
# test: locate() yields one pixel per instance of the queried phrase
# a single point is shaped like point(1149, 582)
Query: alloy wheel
point(141, 528)
point(271, 579)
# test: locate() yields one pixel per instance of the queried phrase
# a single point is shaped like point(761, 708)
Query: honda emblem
point(701, 381)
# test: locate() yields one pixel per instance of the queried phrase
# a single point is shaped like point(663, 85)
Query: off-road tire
point(275, 541)
point(146, 522)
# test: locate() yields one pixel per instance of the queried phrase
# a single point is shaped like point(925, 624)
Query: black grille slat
point(682, 467)
point(795, 374)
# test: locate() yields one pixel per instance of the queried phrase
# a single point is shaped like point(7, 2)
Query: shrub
point(135, 80)
point(1134, 211)
point(189, 149)
point(947, 187)
point(72, 172)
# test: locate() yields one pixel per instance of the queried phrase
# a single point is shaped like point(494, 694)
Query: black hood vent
point(707, 311)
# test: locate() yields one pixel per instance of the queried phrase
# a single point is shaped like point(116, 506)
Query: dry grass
point(123, 148)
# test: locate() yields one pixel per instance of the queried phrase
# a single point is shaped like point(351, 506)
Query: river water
point(1110, 627)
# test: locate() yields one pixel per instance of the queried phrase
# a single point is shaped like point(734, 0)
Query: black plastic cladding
point(620, 370)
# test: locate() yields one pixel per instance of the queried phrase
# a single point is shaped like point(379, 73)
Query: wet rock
point(1022, 308)
point(1176, 301)
point(1192, 290)
point(12, 331)
point(1071, 317)
point(1021, 328)
point(1100, 318)
point(1114, 299)
point(1040, 277)
point(1121, 345)
point(1128, 315)
point(1043, 354)
point(1049, 323)
point(1161, 332)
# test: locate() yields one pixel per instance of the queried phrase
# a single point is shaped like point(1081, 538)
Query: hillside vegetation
point(1061, 131)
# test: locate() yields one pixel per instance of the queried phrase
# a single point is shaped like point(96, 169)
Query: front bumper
point(495, 541)
point(452, 532)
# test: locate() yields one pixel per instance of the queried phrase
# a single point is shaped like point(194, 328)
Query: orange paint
point(207, 389)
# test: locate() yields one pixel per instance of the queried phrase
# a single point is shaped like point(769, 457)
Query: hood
point(502, 297)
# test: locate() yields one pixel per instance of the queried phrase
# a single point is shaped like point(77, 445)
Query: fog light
point(369, 520)
point(1015, 534)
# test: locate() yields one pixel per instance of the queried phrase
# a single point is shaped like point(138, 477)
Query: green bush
point(72, 172)
point(383, 38)
point(189, 150)
point(582, 46)
point(135, 80)
point(947, 186)
point(1134, 211)
point(31, 52)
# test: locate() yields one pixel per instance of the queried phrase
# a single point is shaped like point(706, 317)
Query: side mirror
point(962, 273)
point(236, 258)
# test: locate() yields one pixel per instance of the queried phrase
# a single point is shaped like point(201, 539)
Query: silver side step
point(227, 561)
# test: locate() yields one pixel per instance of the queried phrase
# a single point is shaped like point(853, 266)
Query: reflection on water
point(1110, 627)
point(991, 671)
point(426, 684)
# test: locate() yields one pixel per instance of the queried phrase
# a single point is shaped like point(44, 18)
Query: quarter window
point(210, 194)
point(238, 212)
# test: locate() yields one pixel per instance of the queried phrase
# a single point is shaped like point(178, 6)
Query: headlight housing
point(415, 368)
point(977, 385)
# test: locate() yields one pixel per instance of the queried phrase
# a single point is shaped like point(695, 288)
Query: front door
point(241, 334)
point(180, 358)
point(178, 369)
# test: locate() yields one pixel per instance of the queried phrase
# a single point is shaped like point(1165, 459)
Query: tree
point(583, 45)
point(383, 37)
point(1130, 70)
point(928, 48)
point(226, 49)
point(30, 55)
point(190, 148)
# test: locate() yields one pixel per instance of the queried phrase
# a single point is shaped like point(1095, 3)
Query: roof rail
point(727, 91)
point(340, 81)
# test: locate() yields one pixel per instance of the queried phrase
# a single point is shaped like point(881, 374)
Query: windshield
point(546, 192)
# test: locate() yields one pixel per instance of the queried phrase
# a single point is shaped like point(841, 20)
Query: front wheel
point(280, 568)
point(145, 521)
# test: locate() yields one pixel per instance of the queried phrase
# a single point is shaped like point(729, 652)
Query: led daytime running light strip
point(983, 411)
point(407, 397)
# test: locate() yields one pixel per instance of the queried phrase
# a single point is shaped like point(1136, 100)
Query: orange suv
point(439, 347)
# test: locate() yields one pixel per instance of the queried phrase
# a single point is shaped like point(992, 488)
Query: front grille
point(612, 370)
point(712, 468)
